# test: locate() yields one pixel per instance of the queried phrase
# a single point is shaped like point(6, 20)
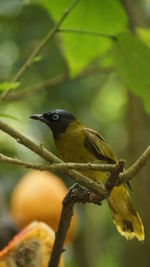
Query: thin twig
point(123, 177)
point(40, 46)
point(75, 194)
point(21, 139)
point(131, 172)
point(59, 166)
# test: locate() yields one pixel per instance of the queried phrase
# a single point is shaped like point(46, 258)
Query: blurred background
point(103, 81)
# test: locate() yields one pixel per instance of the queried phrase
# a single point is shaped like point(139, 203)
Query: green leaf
point(132, 60)
point(9, 86)
point(9, 116)
point(105, 16)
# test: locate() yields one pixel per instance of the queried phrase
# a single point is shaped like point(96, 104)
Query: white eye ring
point(55, 117)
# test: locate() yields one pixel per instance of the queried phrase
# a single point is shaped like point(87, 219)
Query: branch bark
point(136, 167)
point(123, 177)
point(75, 194)
point(59, 166)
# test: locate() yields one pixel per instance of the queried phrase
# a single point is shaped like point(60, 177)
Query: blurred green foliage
point(100, 74)
point(79, 49)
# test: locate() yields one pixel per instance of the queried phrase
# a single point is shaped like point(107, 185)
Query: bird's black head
point(58, 120)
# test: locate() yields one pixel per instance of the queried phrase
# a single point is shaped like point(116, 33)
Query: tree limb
point(59, 166)
point(131, 172)
point(75, 194)
point(123, 177)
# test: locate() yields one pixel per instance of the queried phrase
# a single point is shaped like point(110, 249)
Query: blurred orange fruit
point(30, 247)
point(38, 196)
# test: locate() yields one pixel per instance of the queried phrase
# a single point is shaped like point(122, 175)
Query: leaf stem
point(84, 32)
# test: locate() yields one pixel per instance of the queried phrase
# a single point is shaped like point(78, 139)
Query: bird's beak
point(38, 117)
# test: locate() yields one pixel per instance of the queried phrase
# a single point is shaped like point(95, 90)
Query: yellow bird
point(77, 143)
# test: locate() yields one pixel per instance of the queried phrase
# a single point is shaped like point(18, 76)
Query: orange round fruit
point(38, 196)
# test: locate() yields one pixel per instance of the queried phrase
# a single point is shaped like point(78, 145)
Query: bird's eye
point(55, 117)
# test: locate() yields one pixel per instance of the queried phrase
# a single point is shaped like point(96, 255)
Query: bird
point(76, 142)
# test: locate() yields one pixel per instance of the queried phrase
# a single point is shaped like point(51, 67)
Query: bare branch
point(60, 166)
point(123, 177)
point(40, 46)
point(136, 167)
point(75, 194)
point(21, 139)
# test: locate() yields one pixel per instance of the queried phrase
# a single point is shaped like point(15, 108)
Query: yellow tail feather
point(125, 217)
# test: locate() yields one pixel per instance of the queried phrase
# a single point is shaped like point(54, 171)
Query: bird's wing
point(96, 144)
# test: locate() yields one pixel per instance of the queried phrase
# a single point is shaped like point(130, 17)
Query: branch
point(135, 168)
point(40, 46)
point(60, 166)
point(48, 156)
point(123, 177)
point(75, 194)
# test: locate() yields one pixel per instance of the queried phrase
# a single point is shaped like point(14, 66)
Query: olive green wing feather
point(97, 145)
